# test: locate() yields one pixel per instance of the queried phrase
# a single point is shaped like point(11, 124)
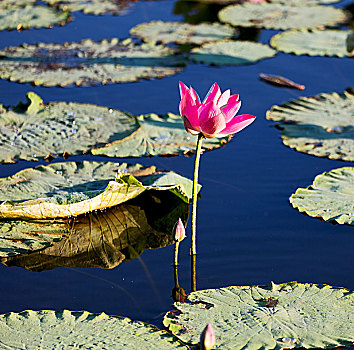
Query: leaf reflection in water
point(105, 239)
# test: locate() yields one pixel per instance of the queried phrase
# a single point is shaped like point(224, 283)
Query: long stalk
point(195, 193)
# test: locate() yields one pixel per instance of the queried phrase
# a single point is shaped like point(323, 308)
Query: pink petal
point(213, 94)
point(231, 109)
point(211, 119)
point(182, 89)
point(237, 124)
point(189, 128)
point(224, 98)
point(189, 99)
point(194, 95)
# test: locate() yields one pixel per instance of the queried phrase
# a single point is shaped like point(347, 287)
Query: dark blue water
point(247, 231)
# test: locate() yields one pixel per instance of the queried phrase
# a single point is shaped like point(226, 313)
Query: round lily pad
point(328, 42)
point(34, 130)
point(278, 16)
point(16, 17)
point(157, 135)
point(96, 7)
point(321, 125)
point(182, 33)
point(23, 237)
point(104, 239)
point(229, 52)
point(68, 189)
point(16, 3)
point(303, 2)
point(330, 197)
point(87, 62)
point(278, 316)
point(69, 329)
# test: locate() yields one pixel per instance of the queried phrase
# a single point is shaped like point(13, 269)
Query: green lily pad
point(23, 237)
point(229, 52)
point(106, 239)
point(330, 197)
point(16, 17)
point(328, 42)
point(278, 16)
point(182, 33)
point(321, 125)
point(69, 189)
point(16, 3)
point(274, 317)
point(157, 135)
point(86, 62)
point(33, 130)
point(96, 7)
point(304, 2)
point(47, 329)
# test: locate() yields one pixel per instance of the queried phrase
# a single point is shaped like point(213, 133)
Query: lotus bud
point(207, 338)
point(179, 232)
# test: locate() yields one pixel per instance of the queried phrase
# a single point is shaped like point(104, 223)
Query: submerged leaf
point(330, 197)
point(105, 239)
point(280, 81)
point(229, 52)
point(330, 42)
point(182, 33)
point(313, 316)
point(87, 62)
point(14, 16)
point(80, 329)
point(69, 189)
point(96, 7)
point(157, 135)
point(23, 237)
point(278, 16)
point(321, 125)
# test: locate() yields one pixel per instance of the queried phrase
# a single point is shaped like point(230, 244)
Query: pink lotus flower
point(215, 116)
point(207, 338)
point(179, 232)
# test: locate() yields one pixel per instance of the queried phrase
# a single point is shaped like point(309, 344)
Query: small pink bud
point(179, 232)
point(207, 338)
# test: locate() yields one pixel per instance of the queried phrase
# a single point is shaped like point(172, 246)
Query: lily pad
point(23, 237)
point(16, 17)
point(68, 189)
point(33, 130)
point(321, 125)
point(278, 16)
point(69, 329)
point(157, 135)
point(182, 33)
point(95, 7)
point(274, 317)
point(229, 52)
point(105, 239)
point(328, 42)
point(86, 62)
point(303, 2)
point(330, 197)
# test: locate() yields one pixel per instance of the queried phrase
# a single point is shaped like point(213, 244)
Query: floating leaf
point(23, 237)
point(182, 33)
point(68, 329)
point(96, 7)
point(278, 16)
point(280, 81)
point(303, 2)
point(231, 52)
point(330, 197)
point(33, 130)
point(157, 135)
point(16, 3)
point(321, 125)
point(69, 189)
point(87, 62)
point(105, 239)
point(308, 315)
point(16, 17)
point(328, 42)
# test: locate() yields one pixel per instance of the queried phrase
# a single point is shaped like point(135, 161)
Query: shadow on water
point(106, 239)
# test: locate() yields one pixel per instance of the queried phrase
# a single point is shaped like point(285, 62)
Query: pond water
point(248, 233)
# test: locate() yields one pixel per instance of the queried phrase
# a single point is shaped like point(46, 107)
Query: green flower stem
point(195, 193)
point(175, 267)
point(176, 254)
point(193, 273)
